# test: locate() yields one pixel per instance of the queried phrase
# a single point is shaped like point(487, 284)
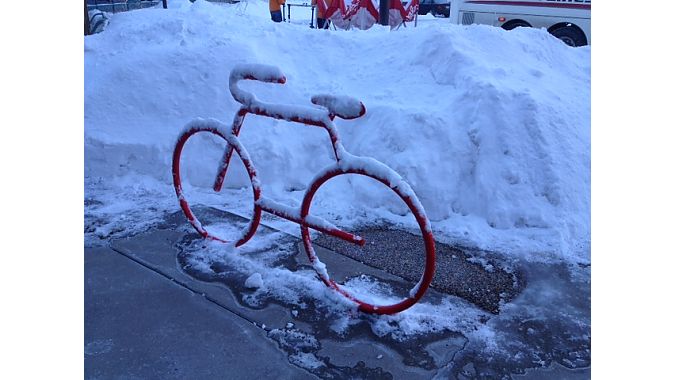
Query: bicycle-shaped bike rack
point(346, 163)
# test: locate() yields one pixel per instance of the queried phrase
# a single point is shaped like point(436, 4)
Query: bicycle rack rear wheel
point(250, 230)
point(413, 204)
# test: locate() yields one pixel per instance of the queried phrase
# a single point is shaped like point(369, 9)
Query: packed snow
point(254, 281)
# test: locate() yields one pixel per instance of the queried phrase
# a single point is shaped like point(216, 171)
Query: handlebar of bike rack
point(345, 107)
point(263, 73)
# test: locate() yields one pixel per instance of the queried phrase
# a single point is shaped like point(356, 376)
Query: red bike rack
point(346, 163)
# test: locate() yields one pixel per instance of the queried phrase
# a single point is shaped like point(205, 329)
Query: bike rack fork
point(273, 207)
point(236, 127)
point(300, 115)
point(227, 155)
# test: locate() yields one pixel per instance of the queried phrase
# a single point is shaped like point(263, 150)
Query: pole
point(164, 4)
point(312, 18)
point(384, 12)
point(87, 30)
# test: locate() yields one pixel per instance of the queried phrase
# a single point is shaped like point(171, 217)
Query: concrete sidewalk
point(141, 325)
point(146, 317)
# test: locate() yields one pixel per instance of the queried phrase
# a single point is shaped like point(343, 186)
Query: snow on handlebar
point(344, 107)
point(263, 73)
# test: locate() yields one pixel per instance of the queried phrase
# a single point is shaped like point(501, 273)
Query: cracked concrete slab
point(156, 250)
point(139, 325)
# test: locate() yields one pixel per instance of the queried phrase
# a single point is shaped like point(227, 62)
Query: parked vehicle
point(439, 8)
point(568, 20)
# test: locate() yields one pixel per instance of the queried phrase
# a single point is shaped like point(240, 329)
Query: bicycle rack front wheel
point(211, 126)
point(404, 192)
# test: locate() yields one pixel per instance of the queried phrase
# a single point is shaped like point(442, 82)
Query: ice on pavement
point(528, 332)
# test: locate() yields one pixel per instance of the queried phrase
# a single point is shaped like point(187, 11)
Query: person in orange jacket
point(275, 10)
point(322, 23)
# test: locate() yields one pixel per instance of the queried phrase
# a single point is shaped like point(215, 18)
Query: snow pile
point(490, 128)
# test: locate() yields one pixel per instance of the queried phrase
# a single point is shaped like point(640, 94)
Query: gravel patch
point(462, 272)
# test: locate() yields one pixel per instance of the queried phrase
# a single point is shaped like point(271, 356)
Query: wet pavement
point(157, 306)
point(140, 324)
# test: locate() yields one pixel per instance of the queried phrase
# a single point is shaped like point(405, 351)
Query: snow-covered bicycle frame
point(346, 163)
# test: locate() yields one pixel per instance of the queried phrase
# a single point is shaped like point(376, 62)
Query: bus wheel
point(570, 35)
point(513, 24)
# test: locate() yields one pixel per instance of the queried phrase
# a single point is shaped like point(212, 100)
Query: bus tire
point(512, 24)
point(571, 35)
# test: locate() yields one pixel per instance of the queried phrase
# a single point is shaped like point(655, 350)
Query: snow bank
point(490, 128)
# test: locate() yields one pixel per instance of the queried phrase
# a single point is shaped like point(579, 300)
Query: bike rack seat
point(345, 107)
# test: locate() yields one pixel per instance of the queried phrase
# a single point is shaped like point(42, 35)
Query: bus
point(568, 20)
point(438, 8)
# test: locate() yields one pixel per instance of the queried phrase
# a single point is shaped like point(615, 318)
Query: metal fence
point(114, 6)
point(95, 19)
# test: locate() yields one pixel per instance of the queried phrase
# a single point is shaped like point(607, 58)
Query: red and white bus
point(569, 20)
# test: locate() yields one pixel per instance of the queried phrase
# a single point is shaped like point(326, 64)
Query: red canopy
point(408, 13)
point(362, 14)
